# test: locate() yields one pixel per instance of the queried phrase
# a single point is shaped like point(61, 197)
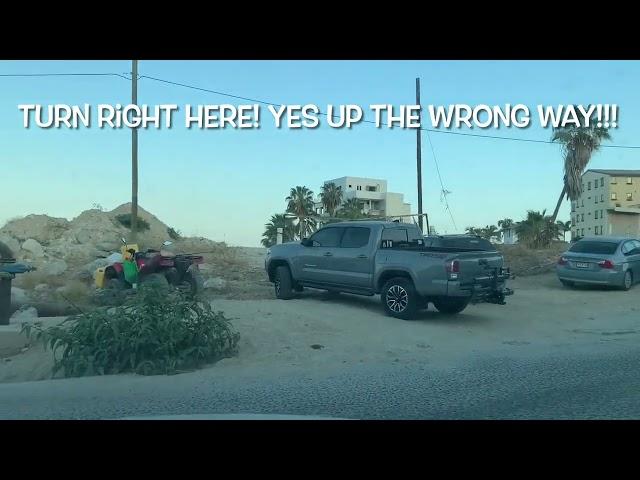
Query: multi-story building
point(609, 204)
point(372, 195)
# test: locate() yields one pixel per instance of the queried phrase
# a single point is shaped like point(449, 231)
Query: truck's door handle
point(328, 254)
point(362, 256)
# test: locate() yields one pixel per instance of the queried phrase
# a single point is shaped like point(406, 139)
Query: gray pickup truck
point(390, 259)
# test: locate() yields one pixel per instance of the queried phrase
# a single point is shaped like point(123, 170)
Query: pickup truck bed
point(390, 259)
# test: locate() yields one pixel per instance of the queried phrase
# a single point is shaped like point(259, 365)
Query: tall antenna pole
point(134, 155)
point(419, 156)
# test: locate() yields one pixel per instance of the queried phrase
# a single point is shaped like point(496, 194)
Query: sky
point(225, 184)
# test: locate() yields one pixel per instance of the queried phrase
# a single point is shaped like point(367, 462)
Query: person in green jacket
point(130, 268)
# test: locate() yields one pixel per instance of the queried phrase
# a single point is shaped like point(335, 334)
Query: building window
point(629, 197)
point(582, 234)
point(596, 215)
point(370, 188)
point(602, 198)
point(588, 185)
point(601, 214)
point(614, 196)
point(349, 186)
point(596, 198)
point(595, 184)
point(602, 185)
point(613, 180)
point(629, 180)
point(582, 217)
point(359, 187)
point(582, 203)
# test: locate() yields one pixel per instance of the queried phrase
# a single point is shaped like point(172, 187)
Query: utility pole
point(419, 154)
point(134, 155)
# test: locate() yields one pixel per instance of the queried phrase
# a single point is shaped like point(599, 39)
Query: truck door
point(316, 259)
point(352, 263)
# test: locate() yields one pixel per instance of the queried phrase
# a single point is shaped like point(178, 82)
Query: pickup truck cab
point(390, 259)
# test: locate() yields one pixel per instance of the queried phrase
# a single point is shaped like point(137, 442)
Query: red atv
point(161, 267)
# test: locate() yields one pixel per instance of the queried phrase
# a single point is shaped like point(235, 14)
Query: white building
point(372, 195)
point(509, 236)
point(609, 204)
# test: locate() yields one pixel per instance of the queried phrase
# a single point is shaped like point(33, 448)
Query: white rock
point(34, 247)
point(54, 267)
point(41, 287)
point(215, 283)
point(25, 314)
point(18, 296)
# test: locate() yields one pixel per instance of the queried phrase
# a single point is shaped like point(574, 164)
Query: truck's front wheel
point(399, 298)
point(283, 283)
point(450, 305)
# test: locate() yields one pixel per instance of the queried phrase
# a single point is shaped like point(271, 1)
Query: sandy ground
point(319, 331)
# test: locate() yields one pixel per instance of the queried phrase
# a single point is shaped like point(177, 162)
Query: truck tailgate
point(476, 265)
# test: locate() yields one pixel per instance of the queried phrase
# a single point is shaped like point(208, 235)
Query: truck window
point(327, 237)
point(355, 237)
point(395, 235)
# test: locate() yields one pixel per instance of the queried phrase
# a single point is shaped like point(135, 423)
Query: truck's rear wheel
point(399, 298)
point(283, 283)
point(450, 305)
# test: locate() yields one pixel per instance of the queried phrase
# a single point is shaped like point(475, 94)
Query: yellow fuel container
point(99, 277)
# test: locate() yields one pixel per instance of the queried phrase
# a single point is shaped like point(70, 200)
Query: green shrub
point(153, 333)
point(174, 234)
point(125, 221)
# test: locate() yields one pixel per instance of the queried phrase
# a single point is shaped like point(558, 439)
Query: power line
point(64, 75)
point(444, 192)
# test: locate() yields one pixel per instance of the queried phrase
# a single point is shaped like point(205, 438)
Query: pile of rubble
point(67, 253)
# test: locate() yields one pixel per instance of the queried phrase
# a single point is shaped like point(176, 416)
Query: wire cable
point(64, 75)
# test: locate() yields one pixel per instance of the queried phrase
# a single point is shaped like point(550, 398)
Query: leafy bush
point(174, 234)
point(153, 333)
point(125, 221)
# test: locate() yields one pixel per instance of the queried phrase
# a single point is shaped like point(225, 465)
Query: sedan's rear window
point(604, 248)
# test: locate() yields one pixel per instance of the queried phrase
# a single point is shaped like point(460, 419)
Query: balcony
point(364, 195)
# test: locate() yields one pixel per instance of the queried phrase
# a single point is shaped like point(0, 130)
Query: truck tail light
point(562, 261)
point(453, 268)
point(606, 264)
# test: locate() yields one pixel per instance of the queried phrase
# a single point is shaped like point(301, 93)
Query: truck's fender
point(276, 262)
point(384, 274)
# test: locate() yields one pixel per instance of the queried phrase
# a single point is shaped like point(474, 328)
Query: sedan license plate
point(582, 265)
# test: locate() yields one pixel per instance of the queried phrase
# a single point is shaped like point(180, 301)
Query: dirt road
point(317, 331)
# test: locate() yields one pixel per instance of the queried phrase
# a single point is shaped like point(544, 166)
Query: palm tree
point(331, 196)
point(578, 145)
point(538, 230)
point(505, 224)
point(300, 204)
point(351, 209)
point(278, 220)
point(564, 227)
point(490, 231)
point(487, 232)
